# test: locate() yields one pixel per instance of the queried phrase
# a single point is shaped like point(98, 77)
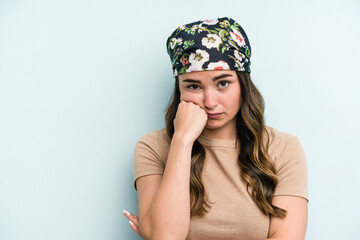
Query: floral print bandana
point(212, 44)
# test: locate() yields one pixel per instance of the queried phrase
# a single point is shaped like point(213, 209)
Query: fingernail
point(126, 212)
point(131, 223)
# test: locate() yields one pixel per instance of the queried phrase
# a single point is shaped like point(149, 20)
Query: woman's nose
point(210, 99)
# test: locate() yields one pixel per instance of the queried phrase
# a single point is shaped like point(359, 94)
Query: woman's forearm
point(169, 214)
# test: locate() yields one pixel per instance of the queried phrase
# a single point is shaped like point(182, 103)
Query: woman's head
point(204, 51)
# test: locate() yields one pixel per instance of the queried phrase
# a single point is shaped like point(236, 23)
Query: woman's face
point(217, 92)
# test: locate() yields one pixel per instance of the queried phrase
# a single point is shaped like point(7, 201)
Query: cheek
point(233, 102)
point(190, 97)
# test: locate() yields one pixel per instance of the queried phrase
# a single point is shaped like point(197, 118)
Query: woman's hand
point(133, 221)
point(190, 121)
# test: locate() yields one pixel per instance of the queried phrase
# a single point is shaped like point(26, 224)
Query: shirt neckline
point(213, 142)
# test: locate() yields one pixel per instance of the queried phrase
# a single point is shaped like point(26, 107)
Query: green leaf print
point(188, 43)
point(220, 30)
point(189, 31)
point(222, 34)
point(247, 52)
point(204, 29)
point(232, 43)
point(236, 25)
point(183, 70)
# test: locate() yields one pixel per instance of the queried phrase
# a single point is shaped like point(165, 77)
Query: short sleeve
point(291, 169)
point(147, 157)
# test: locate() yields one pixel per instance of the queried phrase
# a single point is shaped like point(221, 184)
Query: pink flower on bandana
point(184, 61)
point(210, 21)
point(237, 37)
point(220, 65)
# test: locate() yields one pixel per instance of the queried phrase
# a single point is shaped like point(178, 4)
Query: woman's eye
point(223, 84)
point(193, 87)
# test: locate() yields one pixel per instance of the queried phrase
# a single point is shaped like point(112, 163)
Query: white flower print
point(239, 55)
point(239, 62)
point(199, 28)
point(237, 37)
point(210, 21)
point(175, 72)
point(239, 66)
point(211, 41)
point(197, 60)
point(181, 27)
point(175, 41)
point(194, 27)
point(220, 65)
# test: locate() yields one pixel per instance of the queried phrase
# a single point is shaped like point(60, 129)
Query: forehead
point(206, 74)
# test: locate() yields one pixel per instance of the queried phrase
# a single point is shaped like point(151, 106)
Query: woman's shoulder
point(280, 141)
point(276, 135)
point(156, 136)
point(156, 141)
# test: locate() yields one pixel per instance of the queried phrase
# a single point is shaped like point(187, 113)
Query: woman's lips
point(214, 116)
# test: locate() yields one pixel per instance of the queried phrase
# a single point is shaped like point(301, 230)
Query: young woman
point(217, 171)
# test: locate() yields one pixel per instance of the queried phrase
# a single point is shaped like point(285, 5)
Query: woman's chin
point(217, 124)
point(212, 125)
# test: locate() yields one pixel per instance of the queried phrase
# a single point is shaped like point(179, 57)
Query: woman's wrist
point(181, 140)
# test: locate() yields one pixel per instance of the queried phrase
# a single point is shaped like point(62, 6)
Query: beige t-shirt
point(234, 215)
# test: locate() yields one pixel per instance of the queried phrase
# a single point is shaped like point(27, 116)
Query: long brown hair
point(254, 161)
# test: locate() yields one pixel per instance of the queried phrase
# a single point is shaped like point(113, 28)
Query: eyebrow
point(214, 79)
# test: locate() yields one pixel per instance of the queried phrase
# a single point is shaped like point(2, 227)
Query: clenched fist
point(190, 120)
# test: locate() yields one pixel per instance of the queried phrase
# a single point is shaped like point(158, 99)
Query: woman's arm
point(164, 201)
point(293, 225)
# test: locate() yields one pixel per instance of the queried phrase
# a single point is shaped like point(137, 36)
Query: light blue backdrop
point(82, 81)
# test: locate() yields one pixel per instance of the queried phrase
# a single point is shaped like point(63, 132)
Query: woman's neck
point(225, 132)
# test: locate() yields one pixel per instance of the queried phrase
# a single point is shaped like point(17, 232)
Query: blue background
point(82, 81)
